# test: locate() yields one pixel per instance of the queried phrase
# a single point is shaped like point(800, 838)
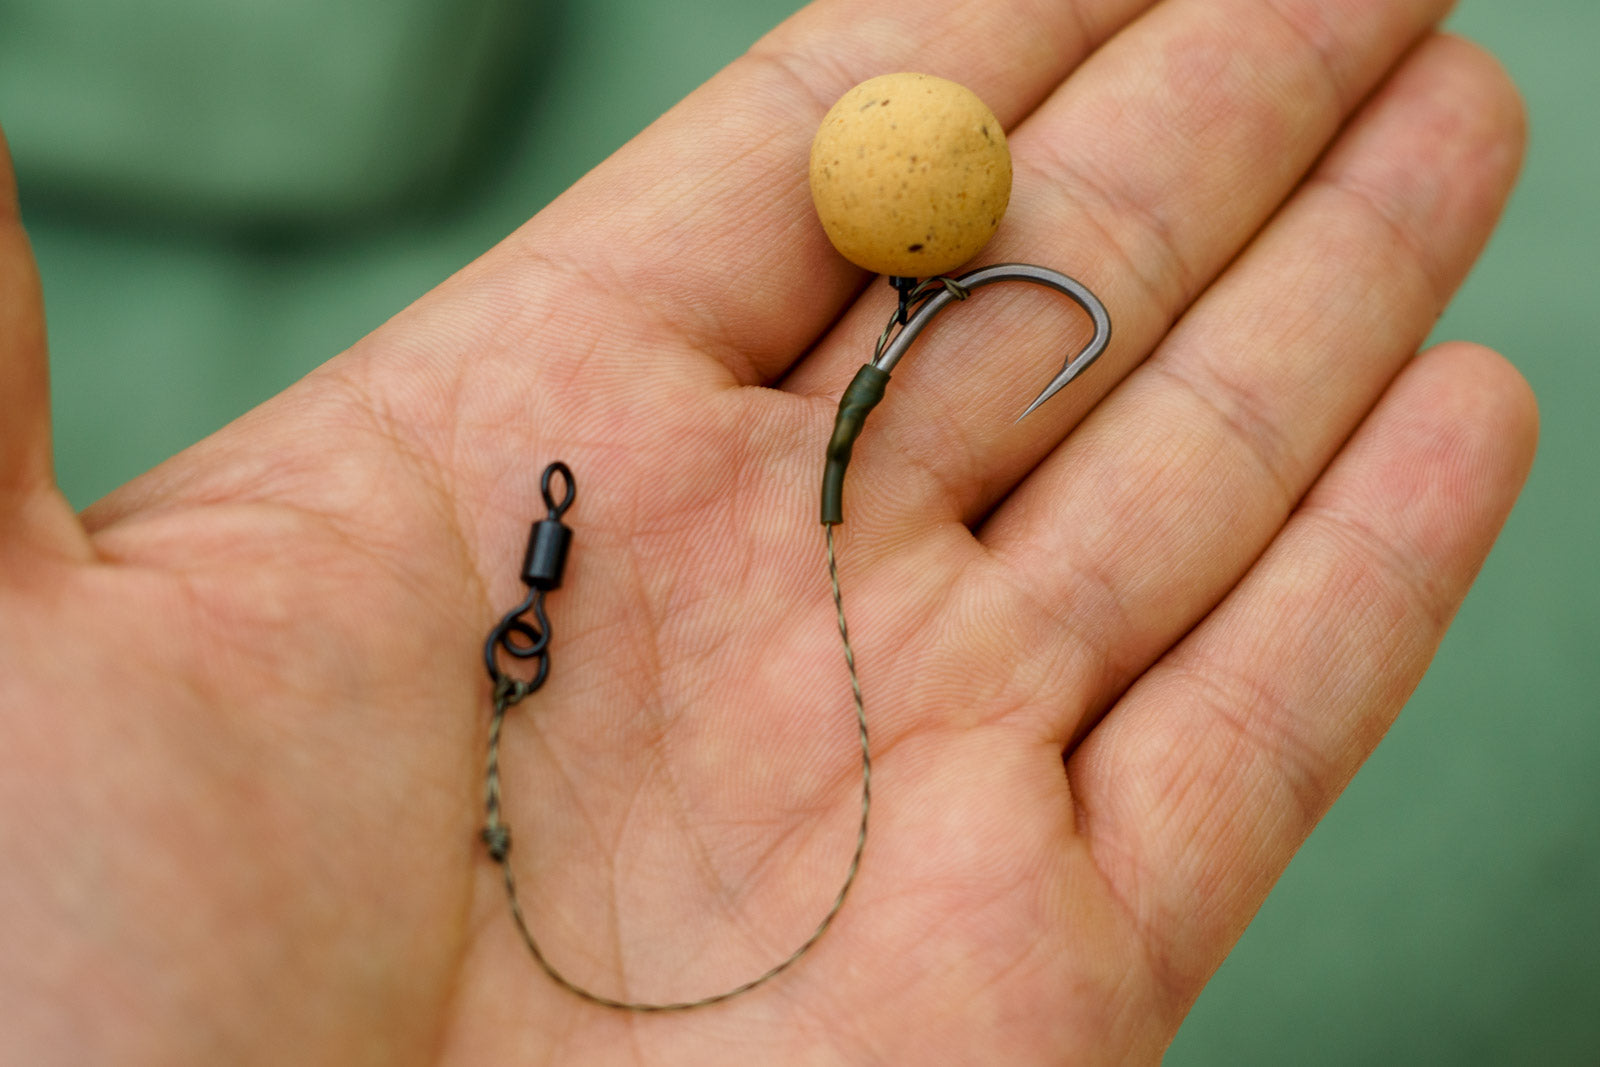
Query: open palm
point(1117, 658)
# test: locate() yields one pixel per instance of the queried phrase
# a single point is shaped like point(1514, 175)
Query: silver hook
point(1011, 272)
point(866, 389)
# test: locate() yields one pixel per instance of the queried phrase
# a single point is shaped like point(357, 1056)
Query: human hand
point(1118, 659)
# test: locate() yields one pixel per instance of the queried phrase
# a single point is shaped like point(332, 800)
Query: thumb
point(30, 504)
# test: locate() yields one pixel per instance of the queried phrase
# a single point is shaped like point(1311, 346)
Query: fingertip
point(1489, 391)
point(1487, 78)
point(1438, 150)
point(1474, 90)
point(1440, 463)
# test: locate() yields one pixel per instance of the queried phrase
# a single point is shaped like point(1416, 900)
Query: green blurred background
point(223, 193)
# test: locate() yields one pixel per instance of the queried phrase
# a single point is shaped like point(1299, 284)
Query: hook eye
point(558, 510)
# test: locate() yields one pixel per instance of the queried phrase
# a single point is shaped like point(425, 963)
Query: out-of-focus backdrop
point(224, 193)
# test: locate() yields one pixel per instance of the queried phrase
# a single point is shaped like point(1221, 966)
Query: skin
point(1118, 659)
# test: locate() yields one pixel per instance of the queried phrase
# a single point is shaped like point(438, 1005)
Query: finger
point(1200, 785)
point(32, 511)
point(705, 220)
point(24, 392)
point(1158, 503)
point(1143, 176)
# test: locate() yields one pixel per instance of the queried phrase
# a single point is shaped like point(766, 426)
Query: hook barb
point(1074, 367)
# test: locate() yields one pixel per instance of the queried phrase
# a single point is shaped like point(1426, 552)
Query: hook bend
point(867, 388)
point(1012, 272)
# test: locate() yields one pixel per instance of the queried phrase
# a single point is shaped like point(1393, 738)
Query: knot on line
point(509, 690)
point(498, 837)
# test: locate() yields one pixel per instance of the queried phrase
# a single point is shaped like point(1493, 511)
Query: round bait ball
point(910, 175)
